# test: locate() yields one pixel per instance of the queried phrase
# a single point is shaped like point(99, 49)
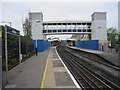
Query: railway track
point(93, 57)
point(85, 77)
point(98, 65)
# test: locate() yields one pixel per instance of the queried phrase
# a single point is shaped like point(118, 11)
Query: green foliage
point(63, 43)
point(13, 48)
point(112, 34)
point(27, 28)
point(3, 47)
point(26, 44)
point(26, 40)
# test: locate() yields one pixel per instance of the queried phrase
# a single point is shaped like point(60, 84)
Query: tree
point(112, 34)
point(26, 40)
point(26, 44)
point(27, 28)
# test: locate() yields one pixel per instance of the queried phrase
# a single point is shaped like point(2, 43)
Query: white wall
point(99, 30)
point(99, 27)
point(36, 20)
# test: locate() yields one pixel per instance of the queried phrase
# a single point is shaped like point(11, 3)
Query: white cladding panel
point(36, 20)
point(99, 27)
point(37, 30)
point(99, 30)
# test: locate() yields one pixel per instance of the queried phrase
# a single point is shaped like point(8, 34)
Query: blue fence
point(90, 44)
point(42, 45)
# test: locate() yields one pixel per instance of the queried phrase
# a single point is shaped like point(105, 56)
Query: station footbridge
point(95, 29)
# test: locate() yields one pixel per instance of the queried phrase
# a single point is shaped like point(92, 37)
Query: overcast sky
point(15, 12)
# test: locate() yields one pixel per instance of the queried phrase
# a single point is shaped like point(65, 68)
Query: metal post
point(36, 48)
point(0, 58)
point(20, 56)
point(6, 54)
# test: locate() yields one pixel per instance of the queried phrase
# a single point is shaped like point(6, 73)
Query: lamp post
point(6, 54)
point(6, 49)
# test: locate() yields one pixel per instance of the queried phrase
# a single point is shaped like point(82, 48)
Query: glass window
point(89, 30)
point(69, 30)
point(59, 31)
point(64, 30)
point(74, 30)
point(54, 30)
point(49, 31)
point(79, 30)
point(84, 30)
point(44, 31)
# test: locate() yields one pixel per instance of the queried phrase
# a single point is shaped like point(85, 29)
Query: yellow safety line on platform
point(43, 80)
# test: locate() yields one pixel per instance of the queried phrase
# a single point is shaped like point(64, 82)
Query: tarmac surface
point(43, 71)
point(29, 74)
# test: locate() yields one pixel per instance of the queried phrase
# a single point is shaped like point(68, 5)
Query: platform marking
point(75, 82)
point(44, 75)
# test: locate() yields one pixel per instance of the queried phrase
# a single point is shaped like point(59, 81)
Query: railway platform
point(43, 71)
point(113, 58)
point(29, 74)
point(56, 74)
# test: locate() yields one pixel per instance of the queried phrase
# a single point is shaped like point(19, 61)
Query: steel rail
point(90, 79)
point(70, 58)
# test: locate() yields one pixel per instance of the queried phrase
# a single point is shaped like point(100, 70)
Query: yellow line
point(43, 80)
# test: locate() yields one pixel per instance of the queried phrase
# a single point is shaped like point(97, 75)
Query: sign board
point(12, 31)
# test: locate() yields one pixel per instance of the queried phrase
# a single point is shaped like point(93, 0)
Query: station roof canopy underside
point(68, 22)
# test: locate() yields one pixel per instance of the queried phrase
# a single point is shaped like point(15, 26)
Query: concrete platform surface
point(29, 74)
point(56, 75)
point(113, 58)
point(43, 71)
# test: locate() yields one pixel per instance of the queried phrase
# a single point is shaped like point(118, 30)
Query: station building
point(96, 29)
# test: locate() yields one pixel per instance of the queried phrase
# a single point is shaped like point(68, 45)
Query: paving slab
point(56, 74)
